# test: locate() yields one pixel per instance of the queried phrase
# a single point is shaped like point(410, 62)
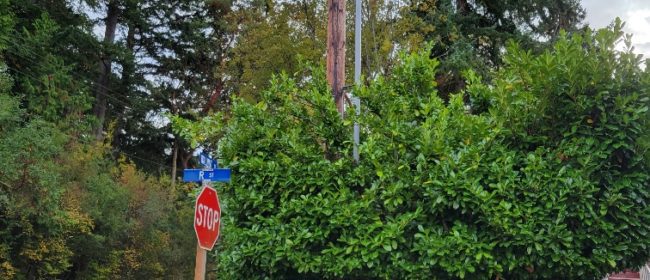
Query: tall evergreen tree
point(47, 54)
point(472, 34)
point(182, 45)
point(68, 210)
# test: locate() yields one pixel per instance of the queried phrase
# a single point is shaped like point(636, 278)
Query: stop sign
point(207, 217)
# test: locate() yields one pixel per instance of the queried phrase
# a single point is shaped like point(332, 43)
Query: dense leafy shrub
point(68, 211)
point(540, 174)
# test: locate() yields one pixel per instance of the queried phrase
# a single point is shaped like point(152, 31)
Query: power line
point(144, 159)
point(129, 154)
point(36, 78)
point(73, 74)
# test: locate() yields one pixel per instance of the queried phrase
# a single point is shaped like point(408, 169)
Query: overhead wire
point(82, 78)
point(75, 75)
point(32, 57)
point(44, 84)
point(129, 154)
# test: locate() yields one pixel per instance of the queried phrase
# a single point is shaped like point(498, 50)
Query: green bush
point(538, 175)
point(68, 211)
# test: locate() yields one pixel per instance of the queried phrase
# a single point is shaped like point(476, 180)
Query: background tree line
point(142, 59)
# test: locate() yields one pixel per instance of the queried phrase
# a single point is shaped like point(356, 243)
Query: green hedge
point(539, 174)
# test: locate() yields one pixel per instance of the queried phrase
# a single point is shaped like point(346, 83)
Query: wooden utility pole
point(336, 51)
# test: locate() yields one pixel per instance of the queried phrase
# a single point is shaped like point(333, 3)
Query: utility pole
point(336, 51)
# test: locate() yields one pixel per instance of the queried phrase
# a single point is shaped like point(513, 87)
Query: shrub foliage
point(539, 174)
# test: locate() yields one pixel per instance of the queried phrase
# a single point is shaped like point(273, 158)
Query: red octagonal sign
point(207, 217)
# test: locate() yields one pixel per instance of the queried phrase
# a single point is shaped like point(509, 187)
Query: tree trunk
point(462, 7)
point(309, 20)
point(186, 159)
point(101, 86)
point(336, 51)
point(214, 97)
point(128, 71)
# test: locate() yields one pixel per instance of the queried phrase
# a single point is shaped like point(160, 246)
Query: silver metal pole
point(357, 75)
point(357, 42)
point(355, 152)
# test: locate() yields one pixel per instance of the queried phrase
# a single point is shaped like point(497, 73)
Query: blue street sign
point(214, 175)
point(207, 161)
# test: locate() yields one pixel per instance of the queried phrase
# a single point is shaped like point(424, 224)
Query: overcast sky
point(635, 14)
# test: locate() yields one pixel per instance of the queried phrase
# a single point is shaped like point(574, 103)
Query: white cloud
point(635, 13)
point(638, 24)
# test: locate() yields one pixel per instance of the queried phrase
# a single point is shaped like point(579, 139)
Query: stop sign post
point(207, 217)
point(207, 211)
